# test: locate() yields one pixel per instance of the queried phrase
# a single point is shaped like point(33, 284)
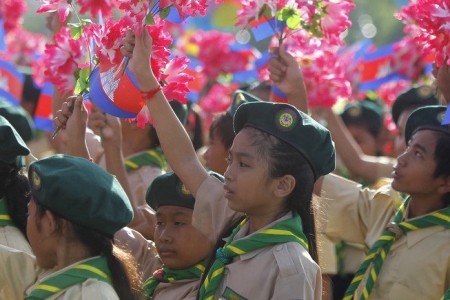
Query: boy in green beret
point(399, 231)
point(76, 207)
point(14, 189)
point(181, 247)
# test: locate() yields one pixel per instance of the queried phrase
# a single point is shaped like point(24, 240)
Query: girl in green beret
point(261, 217)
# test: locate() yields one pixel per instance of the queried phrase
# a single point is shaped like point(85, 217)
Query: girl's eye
point(418, 154)
point(158, 223)
point(179, 223)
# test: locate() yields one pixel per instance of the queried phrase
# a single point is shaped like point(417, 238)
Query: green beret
point(81, 192)
point(12, 145)
point(19, 118)
point(413, 98)
point(426, 117)
point(294, 127)
point(180, 110)
point(364, 113)
point(167, 189)
point(240, 97)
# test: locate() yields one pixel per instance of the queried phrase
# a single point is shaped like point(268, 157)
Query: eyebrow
point(421, 147)
point(242, 154)
point(178, 213)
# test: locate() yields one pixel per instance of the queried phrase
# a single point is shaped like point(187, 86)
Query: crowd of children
point(134, 213)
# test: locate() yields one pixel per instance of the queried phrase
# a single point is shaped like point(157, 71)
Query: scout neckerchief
point(153, 157)
point(376, 255)
point(5, 218)
point(171, 275)
point(289, 230)
point(94, 268)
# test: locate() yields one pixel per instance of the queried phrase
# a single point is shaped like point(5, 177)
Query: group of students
point(249, 234)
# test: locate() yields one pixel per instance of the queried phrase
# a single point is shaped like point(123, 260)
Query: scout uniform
point(280, 267)
point(168, 283)
point(12, 147)
point(414, 264)
point(83, 193)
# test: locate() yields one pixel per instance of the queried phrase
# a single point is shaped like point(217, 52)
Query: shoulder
point(12, 237)
point(89, 289)
point(293, 259)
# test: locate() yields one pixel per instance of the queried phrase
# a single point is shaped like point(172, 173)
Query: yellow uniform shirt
point(283, 271)
point(418, 264)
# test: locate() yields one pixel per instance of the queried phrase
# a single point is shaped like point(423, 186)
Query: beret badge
point(35, 180)
point(286, 119)
point(183, 191)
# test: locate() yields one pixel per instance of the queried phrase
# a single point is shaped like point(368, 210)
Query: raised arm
point(175, 142)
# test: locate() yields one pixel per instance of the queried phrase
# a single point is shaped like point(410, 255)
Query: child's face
point(216, 155)
point(414, 171)
point(40, 237)
point(179, 244)
point(248, 187)
point(364, 139)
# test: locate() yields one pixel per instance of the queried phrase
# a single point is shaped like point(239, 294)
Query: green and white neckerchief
point(96, 267)
point(154, 157)
point(171, 275)
point(289, 230)
point(5, 218)
point(375, 257)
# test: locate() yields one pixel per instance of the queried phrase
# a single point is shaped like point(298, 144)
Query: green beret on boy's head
point(19, 118)
point(413, 98)
point(81, 192)
point(294, 127)
point(167, 189)
point(12, 145)
point(240, 97)
point(364, 113)
point(427, 117)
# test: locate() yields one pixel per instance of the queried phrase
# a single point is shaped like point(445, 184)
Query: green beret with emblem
point(167, 189)
point(12, 145)
point(19, 118)
point(412, 99)
point(427, 117)
point(240, 97)
point(366, 113)
point(180, 110)
point(294, 127)
point(80, 191)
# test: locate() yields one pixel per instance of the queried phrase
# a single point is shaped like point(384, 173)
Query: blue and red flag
point(2, 36)
point(11, 83)
point(265, 27)
point(377, 68)
point(446, 119)
point(43, 116)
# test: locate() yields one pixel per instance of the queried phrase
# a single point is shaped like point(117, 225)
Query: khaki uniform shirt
point(283, 271)
point(19, 273)
point(12, 237)
point(179, 290)
point(418, 264)
point(143, 250)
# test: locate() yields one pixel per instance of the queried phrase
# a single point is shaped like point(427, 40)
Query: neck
point(260, 221)
point(135, 140)
point(419, 205)
point(70, 252)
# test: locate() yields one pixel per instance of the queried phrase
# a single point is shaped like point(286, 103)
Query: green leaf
point(164, 12)
point(76, 30)
point(82, 84)
point(149, 19)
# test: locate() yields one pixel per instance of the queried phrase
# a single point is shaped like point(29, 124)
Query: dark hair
point(442, 157)
point(15, 188)
point(222, 126)
point(283, 159)
point(126, 280)
point(194, 121)
point(154, 140)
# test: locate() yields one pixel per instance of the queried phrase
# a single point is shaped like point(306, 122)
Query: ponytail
point(15, 188)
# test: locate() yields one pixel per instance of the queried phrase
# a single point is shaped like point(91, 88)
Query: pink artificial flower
point(160, 48)
point(389, 91)
point(96, 7)
point(12, 11)
point(432, 19)
point(336, 19)
point(176, 79)
point(186, 8)
point(23, 46)
point(61, 6)
point(62, 59)
point(135, 10)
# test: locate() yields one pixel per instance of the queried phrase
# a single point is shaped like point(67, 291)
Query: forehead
point(426, 138)
point(173, 210)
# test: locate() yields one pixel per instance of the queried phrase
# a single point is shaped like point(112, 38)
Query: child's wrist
point(151, 93)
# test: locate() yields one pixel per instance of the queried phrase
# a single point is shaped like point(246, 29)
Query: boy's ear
point(445, 187)
point(284, 186)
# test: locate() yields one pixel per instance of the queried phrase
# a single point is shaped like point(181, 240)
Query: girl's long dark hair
point(15, 188)
point(126, 280)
